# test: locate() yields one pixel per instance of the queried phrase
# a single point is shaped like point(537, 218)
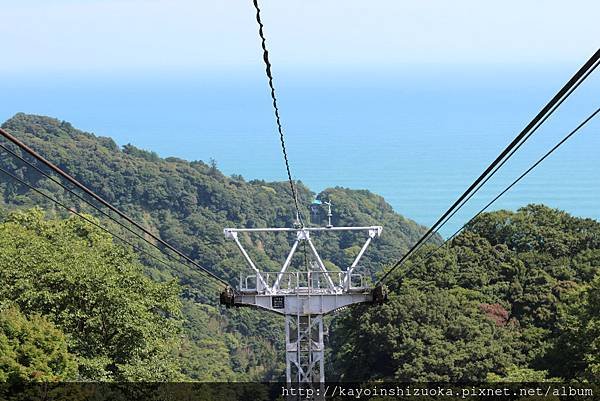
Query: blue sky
point(146, 36)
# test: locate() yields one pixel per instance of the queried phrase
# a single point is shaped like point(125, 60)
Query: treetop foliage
point(116, 321)
point(513, 297)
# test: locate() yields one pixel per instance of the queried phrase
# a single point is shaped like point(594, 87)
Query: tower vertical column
point(305, 349)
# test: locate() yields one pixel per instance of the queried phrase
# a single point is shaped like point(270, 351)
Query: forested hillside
point(515, 297)
point(187, 204)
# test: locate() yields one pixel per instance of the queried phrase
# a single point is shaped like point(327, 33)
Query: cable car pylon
point(303, 297)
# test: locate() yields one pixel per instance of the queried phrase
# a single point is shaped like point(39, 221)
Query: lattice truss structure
point(304, 297)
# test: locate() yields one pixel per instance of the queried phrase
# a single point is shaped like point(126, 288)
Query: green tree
point(515, 374)
point(33, 349)
point(121, 325)
point(577, 350)
point(419, 335)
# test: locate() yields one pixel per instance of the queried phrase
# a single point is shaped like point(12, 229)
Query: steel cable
point(547, 110)
point(505, 190)
point(276, 109)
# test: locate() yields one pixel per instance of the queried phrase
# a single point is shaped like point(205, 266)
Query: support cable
point(81, 198)
point(564, 92)
point(105, 203)
point(99, 210)
point(276, 109)
point(538, 125)
point(81, 216)
point(540, 160)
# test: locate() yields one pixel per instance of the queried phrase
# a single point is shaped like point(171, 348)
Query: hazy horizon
point(139, 36)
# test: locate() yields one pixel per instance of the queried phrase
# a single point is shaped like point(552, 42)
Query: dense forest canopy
point(119, 323)
point(515, 297)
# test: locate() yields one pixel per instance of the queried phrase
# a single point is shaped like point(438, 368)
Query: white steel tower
point(303, 297)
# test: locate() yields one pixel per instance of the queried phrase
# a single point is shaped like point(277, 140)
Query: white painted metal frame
point(302, 234)
point(303, 306)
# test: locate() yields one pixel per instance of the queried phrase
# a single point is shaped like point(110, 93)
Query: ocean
point(416, 135)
